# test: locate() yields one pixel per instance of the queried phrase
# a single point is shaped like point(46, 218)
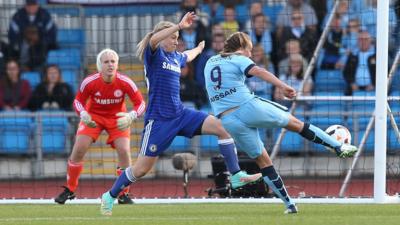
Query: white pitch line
point(25, 219)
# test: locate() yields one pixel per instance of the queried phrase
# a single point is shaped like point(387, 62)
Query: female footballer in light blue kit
point(242, 112)
point(165, 116)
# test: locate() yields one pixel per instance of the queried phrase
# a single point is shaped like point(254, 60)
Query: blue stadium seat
point(393, 143)
point(34, 78)
point(15, 133)
point(329, 80)
point(180, 144)
point(71, 38)
point(328, 106)
point(65, 58)
point(209, 143)
point(54, 134)
point(369, 144)
point(292, 142)
point(242, 14)
point(272, 12)
point(71, 77)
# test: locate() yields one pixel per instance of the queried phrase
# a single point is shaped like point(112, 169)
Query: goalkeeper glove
point(87, 119)
point(125, 119)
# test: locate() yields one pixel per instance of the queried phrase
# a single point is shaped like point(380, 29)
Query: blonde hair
point(141, 46)
point(103, 52)
point(236, 41)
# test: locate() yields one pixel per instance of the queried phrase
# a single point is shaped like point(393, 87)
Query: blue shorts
point(243, 123)
point(158, 135)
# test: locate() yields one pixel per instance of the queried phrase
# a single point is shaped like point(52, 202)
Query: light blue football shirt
point(225, 81)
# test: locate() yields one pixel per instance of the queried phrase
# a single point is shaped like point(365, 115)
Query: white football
point(340, 133)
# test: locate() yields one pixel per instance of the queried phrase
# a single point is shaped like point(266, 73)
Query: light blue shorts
point(243, 123)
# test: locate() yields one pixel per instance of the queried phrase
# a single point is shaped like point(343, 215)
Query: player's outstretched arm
point(287, 91)
point(185, 22)
point(193, 53)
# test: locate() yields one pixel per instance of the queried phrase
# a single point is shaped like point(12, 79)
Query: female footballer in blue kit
point(165, 116)
point(242, 112)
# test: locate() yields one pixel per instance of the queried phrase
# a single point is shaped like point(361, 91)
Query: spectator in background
point(32, 15)
point(332, 51)
point(217, 45)
point(230, 25)
point(32, 52)
point(3, 57)
point(349, 41)
point(190, 92)
point(368, 18)
point(261, 34)
point(193, 6)
point(256, 84)
point(359, 71)
point(52, 93)
point(194, 34)
point(285, 16)
point(298, 30)
point(294, 78)
point(291, 47)
point(256, 8)
point(14, 91)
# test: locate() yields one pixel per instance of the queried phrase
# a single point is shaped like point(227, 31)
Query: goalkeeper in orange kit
point(100, 103)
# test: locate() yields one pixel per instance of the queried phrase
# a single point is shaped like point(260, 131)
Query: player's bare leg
point(227, 148)
point(74, 168)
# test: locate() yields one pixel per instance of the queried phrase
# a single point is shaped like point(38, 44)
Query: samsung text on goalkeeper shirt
point(108, 101)
point(222, 95)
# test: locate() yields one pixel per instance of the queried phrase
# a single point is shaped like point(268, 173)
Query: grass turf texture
point(199, 214)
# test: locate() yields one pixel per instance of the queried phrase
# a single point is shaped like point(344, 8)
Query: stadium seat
point(393, 143)
point(71, 77)
point(292, 142)
point(180, 144)
point(209, 143)
point(65, 58)
point(328, 106)
point(34, 78)
point(54, 134)
point(71, 38)
point(369, 144)
point(329, 80)
point(15, 133)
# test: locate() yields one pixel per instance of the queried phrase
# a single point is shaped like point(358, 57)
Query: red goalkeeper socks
point(73, 172)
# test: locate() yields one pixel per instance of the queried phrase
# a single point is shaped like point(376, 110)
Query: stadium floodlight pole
point(381, 91)
point(307, 74)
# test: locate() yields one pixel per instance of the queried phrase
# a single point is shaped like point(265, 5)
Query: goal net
point(327, 50)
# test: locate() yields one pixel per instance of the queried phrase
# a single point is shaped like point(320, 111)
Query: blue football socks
point(275, 182)
point(228, 150)
point(124, 180)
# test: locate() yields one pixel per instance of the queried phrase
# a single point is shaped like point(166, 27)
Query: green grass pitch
point(199, 214)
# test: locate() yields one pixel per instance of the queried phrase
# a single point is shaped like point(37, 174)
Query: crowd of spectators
point(288, 37)
point(32, 34)
point(284, 42)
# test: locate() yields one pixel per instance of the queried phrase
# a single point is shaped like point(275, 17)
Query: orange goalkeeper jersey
point(107, 99)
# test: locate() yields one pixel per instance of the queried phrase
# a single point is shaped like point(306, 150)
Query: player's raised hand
point(187, 20)
point(87, 119)
point(201, 45)
point(125, 119)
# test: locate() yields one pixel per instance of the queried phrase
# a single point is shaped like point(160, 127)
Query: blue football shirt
point(225, 81)
point(163, 71)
